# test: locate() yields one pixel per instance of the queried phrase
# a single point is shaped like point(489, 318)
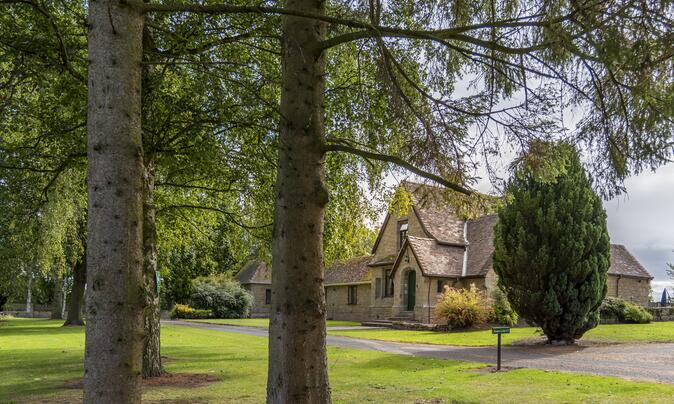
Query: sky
point(643, 220)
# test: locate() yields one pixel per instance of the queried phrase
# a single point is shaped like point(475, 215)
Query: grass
point(39, 355)
point(264, 322)
point(607, 333)
point(662, 331)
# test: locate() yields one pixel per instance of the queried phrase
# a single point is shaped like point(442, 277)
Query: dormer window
point(402, 233)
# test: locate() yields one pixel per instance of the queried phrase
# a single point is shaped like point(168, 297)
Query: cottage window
point(388, 283)
point(352, 295)
point(267, 296)
point(377, 290)
point(441, 286)
point(402, 233)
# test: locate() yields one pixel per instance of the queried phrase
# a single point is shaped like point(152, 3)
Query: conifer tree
point(552, 248)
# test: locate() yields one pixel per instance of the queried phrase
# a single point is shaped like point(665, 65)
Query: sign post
point(498, 331)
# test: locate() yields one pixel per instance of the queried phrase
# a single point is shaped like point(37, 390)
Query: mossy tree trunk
point(152, 366)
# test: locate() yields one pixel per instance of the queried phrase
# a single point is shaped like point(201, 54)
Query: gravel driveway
point(652, 362)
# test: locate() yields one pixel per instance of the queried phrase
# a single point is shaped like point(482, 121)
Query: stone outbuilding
point(255, 277)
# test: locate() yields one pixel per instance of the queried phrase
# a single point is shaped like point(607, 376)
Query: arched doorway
point(411, 290)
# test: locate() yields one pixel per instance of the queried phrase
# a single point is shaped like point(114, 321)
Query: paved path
point(653, 362)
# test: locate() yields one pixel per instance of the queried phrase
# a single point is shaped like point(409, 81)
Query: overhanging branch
point(368, 30)
point(339, 147)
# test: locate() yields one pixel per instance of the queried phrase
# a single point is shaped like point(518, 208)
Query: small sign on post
point(499, 331)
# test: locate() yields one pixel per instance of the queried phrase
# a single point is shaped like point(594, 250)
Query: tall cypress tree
point(552, 248)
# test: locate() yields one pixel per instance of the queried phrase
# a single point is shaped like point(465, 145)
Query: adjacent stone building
point(420, 251)
point(255, 277)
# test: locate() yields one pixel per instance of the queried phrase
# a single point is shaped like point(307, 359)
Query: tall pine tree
point(552, 248)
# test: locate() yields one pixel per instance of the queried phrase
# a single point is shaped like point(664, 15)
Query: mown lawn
point(608, 333)
point(38, 356)
point(264, 322)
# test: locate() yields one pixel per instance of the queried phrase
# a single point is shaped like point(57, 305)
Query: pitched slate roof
point(437, 219)
point(434, 259)
point(354, 270)
point(480, 245)
point(254, 272)
point(623, 263)
point(441, 224)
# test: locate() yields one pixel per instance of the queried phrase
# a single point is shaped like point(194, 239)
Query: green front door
point(411, 289)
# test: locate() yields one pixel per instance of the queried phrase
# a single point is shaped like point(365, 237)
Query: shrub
point(551, 246)
point(185, 311)
point(461, 308)
point(503, 311)
point(225, 298)
point(613, 308)
point(636, 314)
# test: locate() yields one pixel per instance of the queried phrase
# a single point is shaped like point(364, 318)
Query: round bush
point(613, 308)
point(224, 298)
point(462, 308)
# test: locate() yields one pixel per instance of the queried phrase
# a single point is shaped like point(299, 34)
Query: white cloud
point(643, 220)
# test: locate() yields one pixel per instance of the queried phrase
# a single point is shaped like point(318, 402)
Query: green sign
point(500, 330)
point(158, 276)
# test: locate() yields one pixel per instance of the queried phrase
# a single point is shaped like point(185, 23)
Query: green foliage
point(613, 308)
point(225, 298)
point(503, 311)
point(185, 311)
point(636, 314)
point(552, 249)
point(463, 308)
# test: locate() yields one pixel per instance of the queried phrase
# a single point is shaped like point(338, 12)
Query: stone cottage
point(419, 252)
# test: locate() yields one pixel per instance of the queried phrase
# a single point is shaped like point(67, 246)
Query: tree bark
point(115, 296)
point(29, 294)
point(152, 366)
point(297, 352)
point(57, 303)
point(75, 300)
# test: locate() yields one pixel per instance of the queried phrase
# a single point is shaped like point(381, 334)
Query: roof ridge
point(423, 238)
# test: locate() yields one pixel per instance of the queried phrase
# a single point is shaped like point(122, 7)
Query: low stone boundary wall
point(405, 325)
point(661, 313)
point(24, 314)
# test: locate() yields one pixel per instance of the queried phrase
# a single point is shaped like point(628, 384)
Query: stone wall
point(661, 313)
point(19, 310)
point(631, 289)
point(388, 244)
point(380, 307)
point(260, 308)
point(337, 303)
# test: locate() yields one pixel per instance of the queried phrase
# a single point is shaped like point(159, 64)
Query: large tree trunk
point(151, 349)
point(115, 285)
point(297, 354)
point(57, 303)
point(75, 299)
